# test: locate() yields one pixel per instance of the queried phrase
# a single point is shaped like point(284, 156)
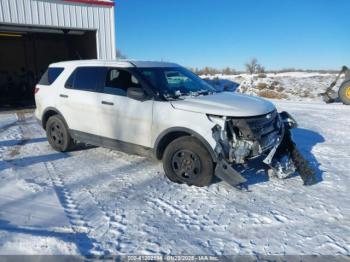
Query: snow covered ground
point(301, 86)
point(98, 201)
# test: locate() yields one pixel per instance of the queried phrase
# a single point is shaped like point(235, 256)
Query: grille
point(266, 129)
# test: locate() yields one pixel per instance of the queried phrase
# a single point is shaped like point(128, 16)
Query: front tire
point(57, 134)
point(344, 93)
point(186, 160)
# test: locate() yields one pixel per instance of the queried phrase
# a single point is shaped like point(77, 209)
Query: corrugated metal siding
point(59, 14)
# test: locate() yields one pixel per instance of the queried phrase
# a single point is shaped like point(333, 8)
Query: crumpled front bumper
point(282, 148)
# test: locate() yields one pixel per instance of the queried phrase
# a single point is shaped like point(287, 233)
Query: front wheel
point(57, 134)
point(344, 93)
point(186, 160)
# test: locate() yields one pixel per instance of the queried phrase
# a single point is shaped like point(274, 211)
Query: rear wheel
point(57, 134)
point(186, 160)
point(344, 93)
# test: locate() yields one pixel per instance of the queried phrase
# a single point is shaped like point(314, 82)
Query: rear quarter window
point(50, 76)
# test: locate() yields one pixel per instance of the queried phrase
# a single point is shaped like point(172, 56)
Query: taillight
point(36, 90)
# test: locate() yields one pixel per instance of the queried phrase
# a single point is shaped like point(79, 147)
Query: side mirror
point(136, 93)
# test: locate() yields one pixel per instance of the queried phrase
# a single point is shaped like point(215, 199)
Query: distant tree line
point(214, 71)
point(252, 67)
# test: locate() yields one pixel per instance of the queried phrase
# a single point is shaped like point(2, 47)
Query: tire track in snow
point(117, 224)
point(71, 208)
point(87, 213)
point(126, 187)
point(99, 230)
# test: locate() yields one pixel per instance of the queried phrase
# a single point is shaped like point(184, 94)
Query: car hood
point(226, 104)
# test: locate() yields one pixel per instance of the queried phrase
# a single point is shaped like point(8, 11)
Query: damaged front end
point(239, 140)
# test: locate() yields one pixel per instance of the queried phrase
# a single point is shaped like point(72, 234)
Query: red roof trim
point(92, 2)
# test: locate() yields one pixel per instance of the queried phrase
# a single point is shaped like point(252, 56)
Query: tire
point(186, 160)
point(57, 134)
point(344, 93)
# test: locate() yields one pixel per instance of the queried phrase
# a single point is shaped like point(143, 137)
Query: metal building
point(35, 33)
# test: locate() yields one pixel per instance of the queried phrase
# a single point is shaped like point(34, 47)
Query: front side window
point(118, 81)
point(176, 82)
point(87, 79)
point(50, 76)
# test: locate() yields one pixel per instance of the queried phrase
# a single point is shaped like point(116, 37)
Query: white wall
point(62, 14)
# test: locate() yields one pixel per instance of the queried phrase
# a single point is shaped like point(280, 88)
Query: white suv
point(165, 110)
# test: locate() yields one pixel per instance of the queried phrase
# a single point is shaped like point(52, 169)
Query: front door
point(123, 118)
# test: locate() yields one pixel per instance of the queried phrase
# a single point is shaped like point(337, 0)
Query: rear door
point(80, 99)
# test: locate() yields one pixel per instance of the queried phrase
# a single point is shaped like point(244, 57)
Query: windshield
point(177, 82)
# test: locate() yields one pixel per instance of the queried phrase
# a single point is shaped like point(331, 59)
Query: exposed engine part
point(224, 169)
point(240, 150)
point(239, 140)
point(282, 168)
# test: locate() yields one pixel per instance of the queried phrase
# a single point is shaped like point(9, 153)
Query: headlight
point(219, 120)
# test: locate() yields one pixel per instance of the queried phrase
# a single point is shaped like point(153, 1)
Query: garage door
point(25, 55)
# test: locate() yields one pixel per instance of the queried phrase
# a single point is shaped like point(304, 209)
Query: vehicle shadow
point(82, 147)
point(31, 160)
point(82, 241)
point(15, 142)
point(256, 171)
point(306, 140)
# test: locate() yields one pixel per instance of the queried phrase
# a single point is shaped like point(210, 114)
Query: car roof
point(117, 63)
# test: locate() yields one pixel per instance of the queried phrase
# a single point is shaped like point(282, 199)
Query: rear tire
point(186, 160)
point(57, 134)
point(344, 93)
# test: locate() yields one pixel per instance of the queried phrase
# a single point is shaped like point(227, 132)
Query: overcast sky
point(308, 34)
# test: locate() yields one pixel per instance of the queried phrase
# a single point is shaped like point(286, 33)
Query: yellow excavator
point(343, 94)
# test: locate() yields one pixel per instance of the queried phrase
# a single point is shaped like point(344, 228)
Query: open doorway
point(25, 55)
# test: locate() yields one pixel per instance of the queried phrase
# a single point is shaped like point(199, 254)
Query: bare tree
point(120, 55)
point(251, 66)
point(228, 71)
point(260, 69)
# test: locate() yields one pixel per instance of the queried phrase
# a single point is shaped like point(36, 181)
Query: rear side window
point(87, 78)
point(51, 74)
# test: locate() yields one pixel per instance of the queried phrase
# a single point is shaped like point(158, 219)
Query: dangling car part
point(242, 139)
point(343, 94)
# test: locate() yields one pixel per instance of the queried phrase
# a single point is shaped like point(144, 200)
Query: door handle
point(107, 103)
point(63, 96)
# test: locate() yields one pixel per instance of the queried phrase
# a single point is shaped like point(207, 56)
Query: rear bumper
point(39, 121)
point(38, 117)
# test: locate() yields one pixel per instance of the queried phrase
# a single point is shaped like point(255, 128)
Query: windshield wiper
point(175, 96)
point(205, 92)
point(179, 95)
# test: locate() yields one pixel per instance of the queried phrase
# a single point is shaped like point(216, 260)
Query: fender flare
point(188, 131)
point(57, 112)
